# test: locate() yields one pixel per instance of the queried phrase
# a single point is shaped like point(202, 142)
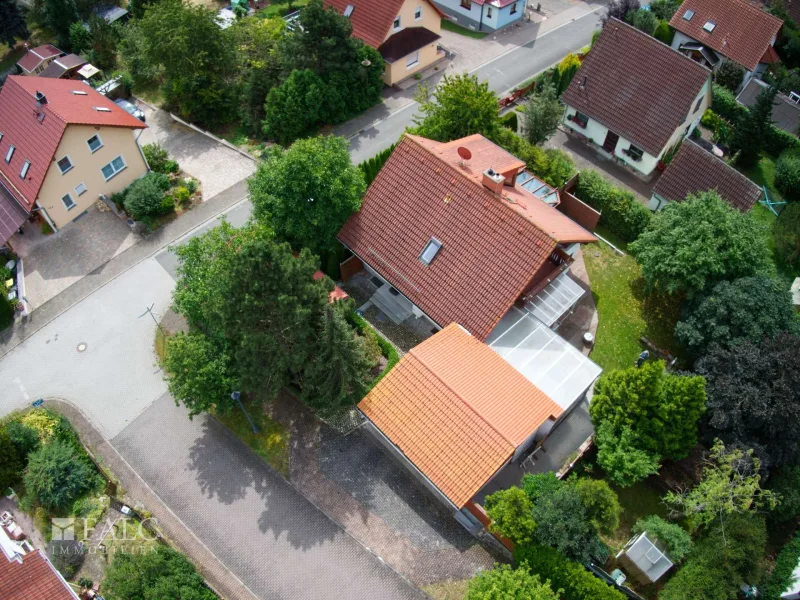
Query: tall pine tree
point(12, 25)
point(752, 128)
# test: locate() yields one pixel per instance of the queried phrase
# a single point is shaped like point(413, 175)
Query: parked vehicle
point(130, 108)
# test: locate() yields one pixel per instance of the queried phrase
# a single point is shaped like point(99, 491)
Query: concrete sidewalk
point(44, 314)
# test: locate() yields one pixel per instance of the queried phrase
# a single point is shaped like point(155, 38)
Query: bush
point(560, 167)
point(57, 474)
point(167, 205)
point(66, 556)
point(787, 174)
point(24, 438)
point(510, 120)
point(576, 582)
point(664, 9)
point(505, 583)
point(724, 103)
point(387, 349)
point(171, 166)
point(786, 483)
point(156, 157)
point(787, 234)
point(644, 20)
point(675, 537)
point(11, 463)
point(777, 140)
point(190, 184)
point(782, 575)
point(182, 195)
point(664, 33)
point(145, 196)
point(729, 75)
point(6, 312)
point(620, 211)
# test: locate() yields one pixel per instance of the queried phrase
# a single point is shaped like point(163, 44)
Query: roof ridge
point(415, 355)
point(667, 46)
point(479, 185)
point(756, 9)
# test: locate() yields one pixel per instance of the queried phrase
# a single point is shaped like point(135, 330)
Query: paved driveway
point(271, 537)
point(215, 165)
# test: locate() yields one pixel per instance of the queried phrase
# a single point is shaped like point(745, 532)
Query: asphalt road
point(503, 73)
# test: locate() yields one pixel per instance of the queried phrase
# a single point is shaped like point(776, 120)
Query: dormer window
point(687, 16)
point(430, 251)
point(709, 26)
point(396, 24)
point(10, 153)
point(24, 170)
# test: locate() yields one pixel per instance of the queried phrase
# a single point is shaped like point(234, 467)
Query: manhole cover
point(82, 347)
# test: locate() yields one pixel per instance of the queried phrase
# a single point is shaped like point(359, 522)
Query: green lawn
point(271, 442)
point(763, 174)
point(625, 311)
point(450, 26)
point(280, 10)
point(447, 590)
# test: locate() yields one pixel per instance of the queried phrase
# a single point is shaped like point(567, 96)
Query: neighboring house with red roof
point(460, 239)
point(457, 413)
point(711, 30)
point(693, 170)
point(634, 98)
point(63, 146)
point(484, 15)
point(405, 32)
point(36, 60)
point(29, 575)
point(64, 67)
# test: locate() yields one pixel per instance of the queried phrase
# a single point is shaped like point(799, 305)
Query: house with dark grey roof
point(404, 32)
point(64, 67)
point(709, 30)
point(785, 110)
point(634, 98)
point(693, 170)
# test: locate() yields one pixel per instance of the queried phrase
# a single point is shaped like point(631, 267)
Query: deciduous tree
point(661, 409)
point(619, 9)
point(306, 193)
point(295, 108)
point(511, 514)
point(459, 106)
point(729, 74)
point(643, 20)
point(690, 246)
point(623, 462)
point(504, 583)
point(600, 502)
point(12, 23)
point(754, 398)
point(59, 15)
point(543, 112)
point(730, 485)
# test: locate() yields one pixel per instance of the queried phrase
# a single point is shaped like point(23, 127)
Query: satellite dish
point(464, 153)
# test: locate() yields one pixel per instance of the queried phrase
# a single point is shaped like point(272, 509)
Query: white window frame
point(396, 24)
point(432, 243)
point(709, 26)
point(111, 164)
point(80, 189)
point(418, 14)
point(102, 109)
point(24, 170)
point(10, 153)
point(687, 16)
point(99, 139)
point(414, 62)
point(488, 11)
point(72, 205)
point(68, 169)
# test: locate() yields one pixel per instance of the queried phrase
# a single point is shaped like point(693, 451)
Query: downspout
point(480, 25)
point(46, 216)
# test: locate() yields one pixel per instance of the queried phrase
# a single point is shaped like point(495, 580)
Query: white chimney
point(493, 181)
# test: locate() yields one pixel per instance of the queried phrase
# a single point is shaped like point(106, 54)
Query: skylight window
point(79, 93)
point(709, 26)
point(687, 16)
point(102, 109)
point(349, 10)
point(24, 170)
point(10, 153)
point(430, 251)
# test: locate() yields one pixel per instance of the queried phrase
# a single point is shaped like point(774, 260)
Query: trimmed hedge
point(372, 166)
point(620, 211)
point(573, 578)
point(781, 576)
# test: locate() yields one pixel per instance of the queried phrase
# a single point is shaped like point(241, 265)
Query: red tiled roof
point(489, 254)
point(636, 86)
point(32, 579)
point(37, 141)
point(695, 170)
point(742, 32)
point(793, 10)
point(36, 55)
point(457, 410)
point(371, 19)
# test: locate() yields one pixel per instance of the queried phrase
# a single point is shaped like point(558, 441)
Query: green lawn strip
point(280, 10)
point(763, 174)
point(450, 26)
point(272, 440)
point(625, 311)
point(447, 590)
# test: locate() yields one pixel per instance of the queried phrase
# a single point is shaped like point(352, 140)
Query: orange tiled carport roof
point(457, 410)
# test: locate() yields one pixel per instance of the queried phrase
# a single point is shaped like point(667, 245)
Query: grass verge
point(452, 27)
point(447, 590)
point(272, 440)
point(162, 337)
point(625, 311)
point(280, 10)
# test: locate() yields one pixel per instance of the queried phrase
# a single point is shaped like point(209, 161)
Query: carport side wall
point(398, 455)
point(86, 169)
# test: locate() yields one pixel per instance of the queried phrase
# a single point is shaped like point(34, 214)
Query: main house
point(459, 232)
point(63, 146)
point(405, 32)
point(484, 15)
point(634, 98)
point(710, 30)
point(694, 170)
